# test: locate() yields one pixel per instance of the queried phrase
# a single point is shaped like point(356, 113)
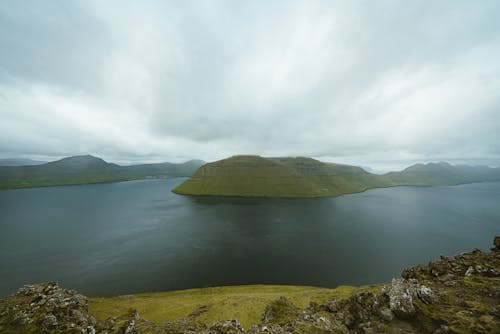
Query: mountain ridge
point(84, 169)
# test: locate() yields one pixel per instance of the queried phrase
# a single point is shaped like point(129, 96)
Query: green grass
point(245, 303)
point(254, 176)
point(278, 177)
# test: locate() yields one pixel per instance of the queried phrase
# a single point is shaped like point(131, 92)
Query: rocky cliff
point(460, 294)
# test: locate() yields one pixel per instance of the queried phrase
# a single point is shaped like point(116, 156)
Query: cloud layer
point(368, 82)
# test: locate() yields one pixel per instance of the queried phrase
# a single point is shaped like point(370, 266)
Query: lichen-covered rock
point(426, 294)
point(232, 326)
point(129, 327)
point(386, 314)
point(268, 329)
point(46, 308)
point(400, 293)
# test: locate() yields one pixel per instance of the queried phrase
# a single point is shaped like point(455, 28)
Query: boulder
point(400, 293)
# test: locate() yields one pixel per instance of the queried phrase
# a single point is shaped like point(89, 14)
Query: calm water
point(137, 236)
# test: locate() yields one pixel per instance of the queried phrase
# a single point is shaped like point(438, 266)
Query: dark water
point(137, 236)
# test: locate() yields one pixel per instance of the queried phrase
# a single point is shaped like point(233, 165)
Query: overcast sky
point(373, 83)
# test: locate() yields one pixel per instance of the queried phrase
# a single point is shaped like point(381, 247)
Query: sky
point(372, 83)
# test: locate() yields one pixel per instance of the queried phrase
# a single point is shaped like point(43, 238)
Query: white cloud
point(372, 83)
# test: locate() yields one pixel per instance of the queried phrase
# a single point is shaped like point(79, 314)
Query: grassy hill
point(306, 177)
point(86, 169)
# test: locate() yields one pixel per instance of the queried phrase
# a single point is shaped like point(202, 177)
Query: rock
point(331, 305)
point(128, 328)
point(400, 294)
point(49, 308)
point(469, 271)
point(426, 294)
point(496, 242)
point(50, 321)
point(415, 272)
point(354, 313)
point(439, 267)
point(268, 329)
point(386, 314)
point(227, 327)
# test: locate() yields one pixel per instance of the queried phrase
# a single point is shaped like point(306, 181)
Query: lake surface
point(137, 236)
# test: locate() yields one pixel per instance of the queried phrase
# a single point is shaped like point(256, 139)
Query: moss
point(246, 303)
point(384, 328)
point(280, 311)
point(466, 306)
point(303, 327)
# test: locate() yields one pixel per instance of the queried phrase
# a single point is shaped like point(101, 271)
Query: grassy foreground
point(209, 305)
point(456, 294)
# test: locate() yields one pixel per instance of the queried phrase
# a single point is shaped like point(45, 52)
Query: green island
point(86, 169)
point(457, 294)
point(256, 176)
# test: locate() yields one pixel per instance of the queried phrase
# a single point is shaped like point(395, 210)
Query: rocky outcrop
point(46, 308)
point(459, 294)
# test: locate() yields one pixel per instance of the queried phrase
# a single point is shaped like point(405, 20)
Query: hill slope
point(306, 177)
point(86, 169)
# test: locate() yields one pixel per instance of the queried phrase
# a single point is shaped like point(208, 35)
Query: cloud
point(353, 81)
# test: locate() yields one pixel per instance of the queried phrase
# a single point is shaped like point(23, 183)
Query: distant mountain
point(80, 162)
point(19, 162)
point(306, 177)
point(87, 169)
point(443, 173)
